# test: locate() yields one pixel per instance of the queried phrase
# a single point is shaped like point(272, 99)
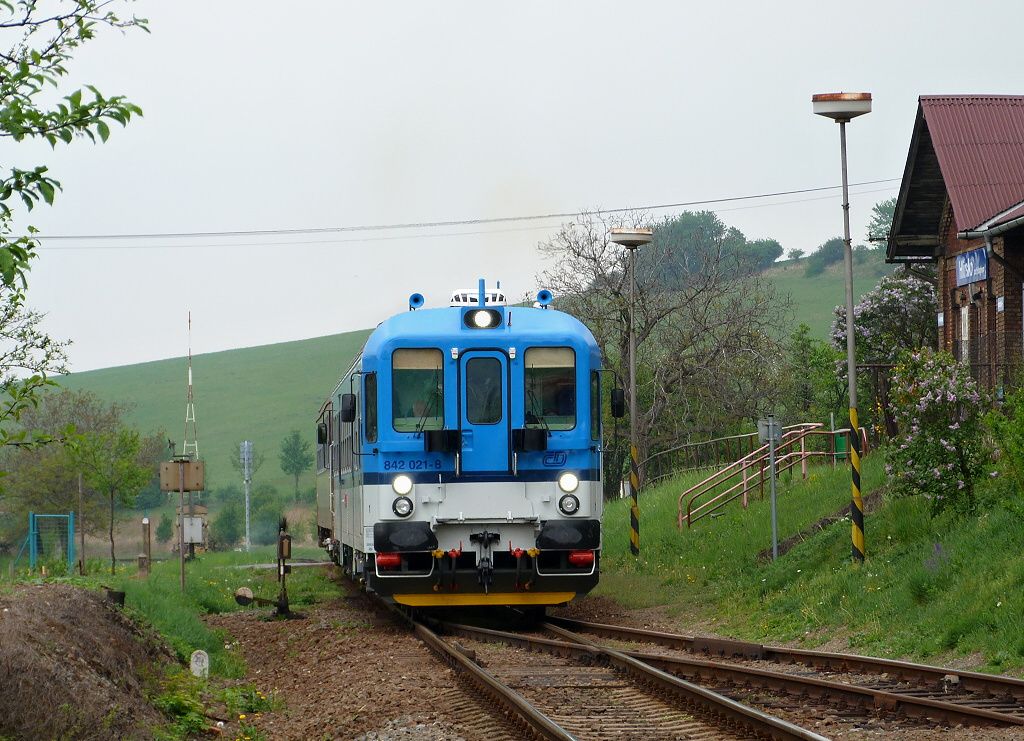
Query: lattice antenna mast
point(190, 446)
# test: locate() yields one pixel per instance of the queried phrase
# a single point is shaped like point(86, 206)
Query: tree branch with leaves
point(38, 46)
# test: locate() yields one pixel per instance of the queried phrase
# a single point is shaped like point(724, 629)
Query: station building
point(961, 207)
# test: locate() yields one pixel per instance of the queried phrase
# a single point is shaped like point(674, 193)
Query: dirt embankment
point(72, 666)
point(347, 671)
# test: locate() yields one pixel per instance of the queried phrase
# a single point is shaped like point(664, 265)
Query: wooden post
point(181, 521)
point(81, 528)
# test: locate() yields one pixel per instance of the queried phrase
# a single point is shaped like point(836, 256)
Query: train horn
point(544, 297)
point(415, 301)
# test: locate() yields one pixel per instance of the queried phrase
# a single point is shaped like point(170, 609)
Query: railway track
point(577, 691)
point(885, 686)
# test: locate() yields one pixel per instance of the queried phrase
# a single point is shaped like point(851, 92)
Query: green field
point(261, 393)
point(815, 298)
point(256, 393)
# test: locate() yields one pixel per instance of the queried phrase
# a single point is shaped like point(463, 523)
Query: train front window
point(417, 390)
point(550, 388)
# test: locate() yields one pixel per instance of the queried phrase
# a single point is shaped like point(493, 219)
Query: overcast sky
point(263, 116)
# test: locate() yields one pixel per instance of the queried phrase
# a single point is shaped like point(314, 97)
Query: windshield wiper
point(430, 407)
point(539, 417)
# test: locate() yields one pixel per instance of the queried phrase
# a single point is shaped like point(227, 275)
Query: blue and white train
point(459, 458)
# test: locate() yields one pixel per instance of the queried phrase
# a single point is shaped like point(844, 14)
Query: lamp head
point(631, 238)
point(841, 107)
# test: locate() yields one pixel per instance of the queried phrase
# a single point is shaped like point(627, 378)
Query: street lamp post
point(631, 239)
point(841, 108)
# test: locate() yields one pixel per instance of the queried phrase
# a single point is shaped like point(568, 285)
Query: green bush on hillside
point(228, 526)
point(1007, 426)
point(828, 254)
point(164, 529)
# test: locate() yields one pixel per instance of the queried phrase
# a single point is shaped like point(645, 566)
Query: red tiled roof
point(979, 142)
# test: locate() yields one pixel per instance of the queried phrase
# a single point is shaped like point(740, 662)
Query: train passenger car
point(459, 458)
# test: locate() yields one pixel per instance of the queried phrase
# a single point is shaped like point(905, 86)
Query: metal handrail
point(756, 458)
point(677, 471)
point(794, 433)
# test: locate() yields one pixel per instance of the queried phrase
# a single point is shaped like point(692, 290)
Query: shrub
point(827, 254)
point(1007, 426)
point(227, 527)
point(940, 450)
point(164, 529)
point(896, 315)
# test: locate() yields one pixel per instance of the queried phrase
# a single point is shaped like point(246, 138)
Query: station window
point(595, 405)
point(417, 390)
point(483, 391)
point(550, 376)
point(370, 412)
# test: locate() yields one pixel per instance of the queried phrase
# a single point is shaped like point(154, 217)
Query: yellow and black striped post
point(634, 507)
point(856, 502)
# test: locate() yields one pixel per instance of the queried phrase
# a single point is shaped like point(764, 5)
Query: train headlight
point(402, 484)
point(568, 482)
point(569, 504)
point(482, 319)
point(402, 506)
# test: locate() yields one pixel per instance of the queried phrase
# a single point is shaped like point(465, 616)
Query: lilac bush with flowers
point(896, 315)
point(941, 450)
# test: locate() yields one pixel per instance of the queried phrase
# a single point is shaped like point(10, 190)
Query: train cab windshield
point(417, 383)
point(550, 377)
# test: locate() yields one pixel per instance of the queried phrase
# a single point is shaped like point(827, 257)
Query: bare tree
point(707, 327)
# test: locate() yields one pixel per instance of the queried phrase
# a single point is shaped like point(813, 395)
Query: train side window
point(370, 413)
point(595, 405)
point(550, 379)
point(417, 389)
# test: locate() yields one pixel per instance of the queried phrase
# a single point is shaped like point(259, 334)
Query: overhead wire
point(435, 224)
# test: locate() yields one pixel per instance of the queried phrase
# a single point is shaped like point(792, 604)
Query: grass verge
point(211, 581)
point(948, 588)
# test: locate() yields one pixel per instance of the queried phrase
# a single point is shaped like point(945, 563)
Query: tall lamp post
point(841, 108)
point(631, 239)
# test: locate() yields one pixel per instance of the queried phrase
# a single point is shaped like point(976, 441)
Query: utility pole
point(246, 454)
point(631, 239)
point(772, 430)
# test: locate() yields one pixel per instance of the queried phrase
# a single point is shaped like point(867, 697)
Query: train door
point(484, 416)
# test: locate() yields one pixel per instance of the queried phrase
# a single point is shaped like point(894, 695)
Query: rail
point(736, 480)
point(974, 697)
point(724, 710)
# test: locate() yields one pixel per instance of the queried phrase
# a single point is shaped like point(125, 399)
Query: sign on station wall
point(971, 267)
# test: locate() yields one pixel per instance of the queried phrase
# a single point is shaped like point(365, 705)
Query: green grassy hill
point(814, 298)
point(259, 393)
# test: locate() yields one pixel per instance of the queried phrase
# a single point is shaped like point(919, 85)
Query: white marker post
point(200, 664)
